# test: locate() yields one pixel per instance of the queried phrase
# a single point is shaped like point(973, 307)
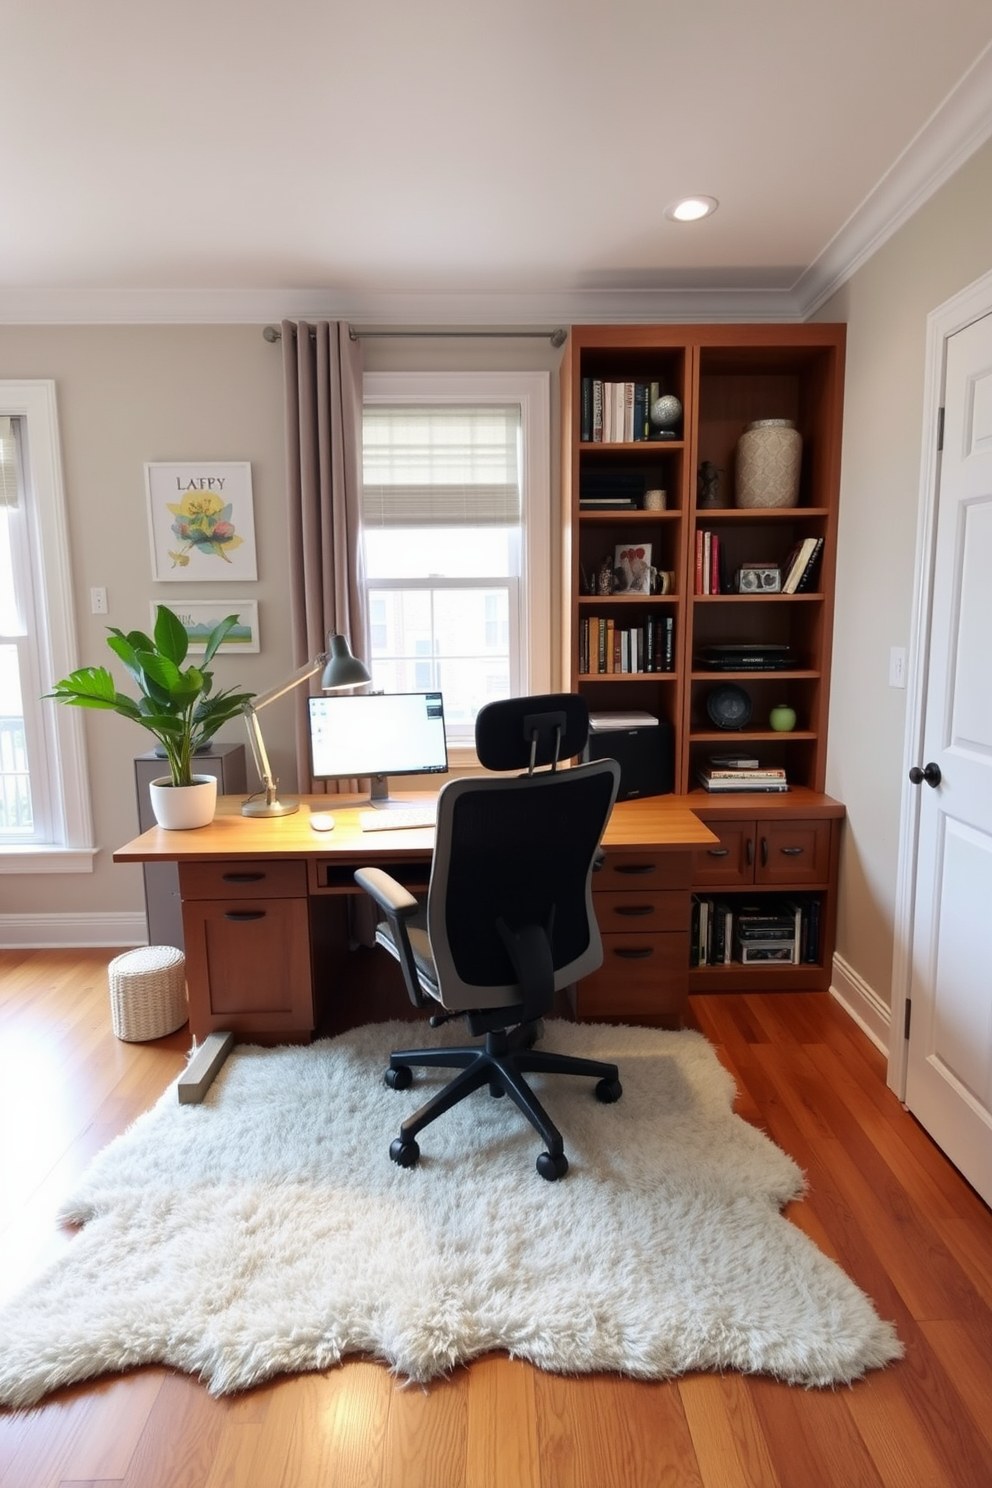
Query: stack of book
point(763, 935)
point(740, 773)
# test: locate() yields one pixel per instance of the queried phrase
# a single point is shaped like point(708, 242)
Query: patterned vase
point(769, 453)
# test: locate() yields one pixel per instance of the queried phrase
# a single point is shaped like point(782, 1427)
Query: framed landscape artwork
point(200, 521)
point(199, 616)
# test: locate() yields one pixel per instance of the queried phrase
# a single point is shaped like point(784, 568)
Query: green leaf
point(171, 638)
point(216, 636)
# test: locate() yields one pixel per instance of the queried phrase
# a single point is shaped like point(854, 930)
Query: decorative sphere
point(782, 719)
point(666, 411)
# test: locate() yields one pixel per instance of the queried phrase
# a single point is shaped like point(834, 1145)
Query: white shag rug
point(267, 1231)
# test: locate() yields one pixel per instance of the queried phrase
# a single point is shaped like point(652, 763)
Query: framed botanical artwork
point(632, 568)
point(199, 616)
point(200, 521)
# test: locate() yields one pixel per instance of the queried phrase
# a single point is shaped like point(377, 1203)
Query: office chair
point(510, 917)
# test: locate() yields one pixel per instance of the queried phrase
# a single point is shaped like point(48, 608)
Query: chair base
point(500, 1063)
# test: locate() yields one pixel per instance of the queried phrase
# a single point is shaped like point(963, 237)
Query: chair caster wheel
point(552, 1167)
point(609, 1091)
point(399, 1077)
point(406, 1153)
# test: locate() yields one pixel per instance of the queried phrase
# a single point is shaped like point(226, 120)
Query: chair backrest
point(514, 855)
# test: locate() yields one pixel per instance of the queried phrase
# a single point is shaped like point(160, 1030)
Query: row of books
point(774, 931)
point(607, 646)
point(710, 560)
point(618, 412)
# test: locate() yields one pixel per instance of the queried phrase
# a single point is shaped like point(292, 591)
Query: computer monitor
point(377, 734)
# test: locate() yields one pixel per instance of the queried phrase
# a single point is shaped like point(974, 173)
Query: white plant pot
point(181, 807)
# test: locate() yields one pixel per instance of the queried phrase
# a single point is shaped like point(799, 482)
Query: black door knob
point(930, 773)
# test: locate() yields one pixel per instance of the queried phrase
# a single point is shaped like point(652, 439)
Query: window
point(44, 794)
point(456, 534)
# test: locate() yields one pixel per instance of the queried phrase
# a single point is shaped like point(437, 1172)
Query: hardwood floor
point(882, 1201)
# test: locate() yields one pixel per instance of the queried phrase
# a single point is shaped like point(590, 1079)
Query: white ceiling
point(424, 161)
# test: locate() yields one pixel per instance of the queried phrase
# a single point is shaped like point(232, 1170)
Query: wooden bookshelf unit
point(726, 377)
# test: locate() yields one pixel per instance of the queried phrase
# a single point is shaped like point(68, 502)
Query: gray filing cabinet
point(162, 905)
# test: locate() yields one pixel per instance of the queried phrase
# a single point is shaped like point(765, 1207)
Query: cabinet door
point(792, 852)
point(248, 966)
point(730, 862)
point(642, 976)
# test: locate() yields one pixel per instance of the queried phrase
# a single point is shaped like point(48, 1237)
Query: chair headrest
point(505, 731)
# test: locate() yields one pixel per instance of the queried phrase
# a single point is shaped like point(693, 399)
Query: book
point(740, 784)
point(601, 723)
point(800, 558)
point(717, 772)
point(806, 579)
point(733, 762)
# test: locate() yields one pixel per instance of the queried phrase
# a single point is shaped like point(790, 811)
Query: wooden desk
point(264, 904)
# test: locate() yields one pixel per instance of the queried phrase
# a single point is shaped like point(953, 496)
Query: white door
point(949, 1071)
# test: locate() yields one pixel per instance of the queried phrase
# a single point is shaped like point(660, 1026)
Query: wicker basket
point(148, 992)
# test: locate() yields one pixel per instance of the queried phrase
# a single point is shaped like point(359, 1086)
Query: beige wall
point(943, 248)
point(137, 393)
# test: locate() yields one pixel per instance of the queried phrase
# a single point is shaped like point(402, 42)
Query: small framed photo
point(632, 568)
point(199, 616)
point(200, 521)
point(759, 578)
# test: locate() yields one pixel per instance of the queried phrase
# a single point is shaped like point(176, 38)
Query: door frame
point(954, 315)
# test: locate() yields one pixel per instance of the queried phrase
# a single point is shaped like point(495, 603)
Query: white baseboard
point(864, 1005)
point(47, 931)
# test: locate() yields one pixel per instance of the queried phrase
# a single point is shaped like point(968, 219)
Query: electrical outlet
point(98, 601)
point(897, 666)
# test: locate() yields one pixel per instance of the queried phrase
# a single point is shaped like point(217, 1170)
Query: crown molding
point(954, 131)
point(66, 307)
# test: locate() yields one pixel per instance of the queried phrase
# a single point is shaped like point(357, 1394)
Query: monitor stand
point(379, 796)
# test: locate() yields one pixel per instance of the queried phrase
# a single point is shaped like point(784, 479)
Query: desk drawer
point(642, 976)
point(243, 880)
point(634, 913)
point(640, 871)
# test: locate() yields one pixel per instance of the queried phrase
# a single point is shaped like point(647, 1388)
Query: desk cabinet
point(248, 958)
point(643, 910)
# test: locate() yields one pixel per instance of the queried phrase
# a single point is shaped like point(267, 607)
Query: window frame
point(532, 392)
point(70, 848)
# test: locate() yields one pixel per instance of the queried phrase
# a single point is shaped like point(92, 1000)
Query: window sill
point(35, 858)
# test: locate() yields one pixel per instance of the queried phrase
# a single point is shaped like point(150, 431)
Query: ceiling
point(423, 161)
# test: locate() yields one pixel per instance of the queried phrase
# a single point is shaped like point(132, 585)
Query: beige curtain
point(322, 369)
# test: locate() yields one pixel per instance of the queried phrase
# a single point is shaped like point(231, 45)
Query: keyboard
point(393, 819)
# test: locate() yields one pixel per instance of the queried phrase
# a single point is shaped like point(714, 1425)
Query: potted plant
point(177, 706)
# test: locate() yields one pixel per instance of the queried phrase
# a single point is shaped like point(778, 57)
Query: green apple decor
point(782, 718)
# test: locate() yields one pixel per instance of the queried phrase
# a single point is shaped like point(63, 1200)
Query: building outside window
point(456, 535)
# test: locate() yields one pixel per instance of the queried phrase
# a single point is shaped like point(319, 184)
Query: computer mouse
point(322, 821)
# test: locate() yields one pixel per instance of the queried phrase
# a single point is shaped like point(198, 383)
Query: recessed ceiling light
point(691, 208)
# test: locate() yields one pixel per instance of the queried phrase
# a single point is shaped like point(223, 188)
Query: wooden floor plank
point(881, 1199)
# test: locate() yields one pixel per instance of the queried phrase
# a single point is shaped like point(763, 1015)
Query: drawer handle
point(792, 852)
point(718, 852)
point(633, 953)
point(634, 909)
point(764, 852)
point(635, 867)
point(242, 877)
point(244, 914)
point(750, 852)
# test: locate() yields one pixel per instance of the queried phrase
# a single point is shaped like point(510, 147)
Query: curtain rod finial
point(271, 333)
point(559, 337)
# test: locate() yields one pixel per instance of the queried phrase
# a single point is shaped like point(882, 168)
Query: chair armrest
point(398, 905)
point(391, 897)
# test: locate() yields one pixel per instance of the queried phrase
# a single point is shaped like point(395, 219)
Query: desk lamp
point(341, 671)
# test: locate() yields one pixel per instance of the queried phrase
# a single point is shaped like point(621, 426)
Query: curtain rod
point(557, 337)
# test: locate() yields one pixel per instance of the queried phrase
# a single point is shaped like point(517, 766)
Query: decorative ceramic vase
point(769, 453)
point(782, 718)
point(182, 807)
